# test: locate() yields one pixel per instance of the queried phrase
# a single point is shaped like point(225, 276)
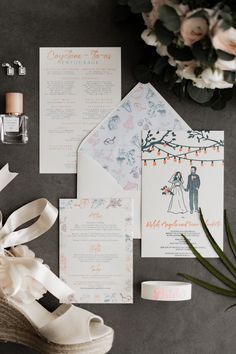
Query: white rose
point(149, 37)
point(214, 79)
point(226, 64)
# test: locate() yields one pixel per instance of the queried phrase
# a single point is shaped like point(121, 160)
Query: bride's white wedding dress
point(177, 204)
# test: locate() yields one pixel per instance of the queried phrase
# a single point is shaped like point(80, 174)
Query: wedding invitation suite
point(182, 171)
point(96, 249)
point(78, 87)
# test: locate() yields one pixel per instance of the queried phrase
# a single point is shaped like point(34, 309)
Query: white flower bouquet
point(195, 41)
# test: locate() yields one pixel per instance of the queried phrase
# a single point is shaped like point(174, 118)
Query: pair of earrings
point(11, 70)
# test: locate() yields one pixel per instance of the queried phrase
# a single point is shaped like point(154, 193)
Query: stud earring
point(10, 69)
point(21, 68)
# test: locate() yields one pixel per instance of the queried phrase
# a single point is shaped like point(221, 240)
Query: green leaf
point(225, 280)
point(138, 6)
point(219, 104)
point(180, 53)
point(160, 64)
point(163, 34)
point(169, 18)
point(224, 55)
point(225, 260)
point(225, 25)
point(208, 286)
point(201, 13)
point(229, 234)
point(199, 95)
point(204, 52)
point(143, 73)
point(229, 76)
point(180, 89)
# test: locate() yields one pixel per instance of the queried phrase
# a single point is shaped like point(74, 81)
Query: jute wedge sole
point(14, 327)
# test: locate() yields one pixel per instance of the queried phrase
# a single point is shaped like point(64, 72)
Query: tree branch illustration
point(152, 141)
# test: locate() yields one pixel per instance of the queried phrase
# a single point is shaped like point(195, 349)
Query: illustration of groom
point(193, 187)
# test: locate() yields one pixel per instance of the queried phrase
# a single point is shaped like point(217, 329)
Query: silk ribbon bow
point(14, 267)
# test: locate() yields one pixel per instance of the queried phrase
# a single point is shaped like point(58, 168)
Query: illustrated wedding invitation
point(78, 88)
point(96, 249)
point(182, 171)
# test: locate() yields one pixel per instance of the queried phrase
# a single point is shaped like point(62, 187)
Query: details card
point(182, 171)
point(96, 249)
point(78, 88)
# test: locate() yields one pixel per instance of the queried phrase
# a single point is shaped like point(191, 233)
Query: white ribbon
point(47, 215)
point(6, 176)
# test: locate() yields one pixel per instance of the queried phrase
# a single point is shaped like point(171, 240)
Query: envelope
point(109, 158)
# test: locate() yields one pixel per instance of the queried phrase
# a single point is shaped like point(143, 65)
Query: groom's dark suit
point(192, 187)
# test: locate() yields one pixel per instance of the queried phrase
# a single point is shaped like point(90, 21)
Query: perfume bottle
point(14, 124)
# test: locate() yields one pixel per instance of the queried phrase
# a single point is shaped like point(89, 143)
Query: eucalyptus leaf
point(163, 34)
point(199, 95)
point(180, 53)
point(229, 76)
point(204, 52)
point(218, 104)
point(169, 18)
point(225, 25)
point(201, 13)
point(160, 64)
point(224, 55)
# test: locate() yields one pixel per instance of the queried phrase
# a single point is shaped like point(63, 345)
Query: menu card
point(96, 249)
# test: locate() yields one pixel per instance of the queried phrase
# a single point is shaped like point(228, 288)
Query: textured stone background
point(197, 326)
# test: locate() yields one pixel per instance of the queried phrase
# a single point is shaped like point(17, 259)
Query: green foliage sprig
point(230, 267)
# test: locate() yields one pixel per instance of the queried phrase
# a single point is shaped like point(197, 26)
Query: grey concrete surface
point(197, 326)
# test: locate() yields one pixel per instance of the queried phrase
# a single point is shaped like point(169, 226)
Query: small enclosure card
point(96, 249)
point(182, 171)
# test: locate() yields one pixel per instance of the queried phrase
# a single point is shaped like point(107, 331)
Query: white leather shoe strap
point(71, 327)
point(47, 216)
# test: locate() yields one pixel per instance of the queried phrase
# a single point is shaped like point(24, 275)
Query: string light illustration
point(154, 144)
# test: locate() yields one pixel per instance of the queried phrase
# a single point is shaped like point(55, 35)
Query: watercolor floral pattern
point(116, 142)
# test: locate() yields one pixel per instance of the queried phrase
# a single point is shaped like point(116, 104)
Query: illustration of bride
point(177, 204)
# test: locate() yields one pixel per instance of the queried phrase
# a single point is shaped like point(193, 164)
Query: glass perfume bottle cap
point(14, 102)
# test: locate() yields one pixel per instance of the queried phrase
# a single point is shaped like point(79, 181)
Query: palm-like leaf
point(225, 260)
point(229, 235)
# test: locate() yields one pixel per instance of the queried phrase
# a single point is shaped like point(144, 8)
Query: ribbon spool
point(166, 290)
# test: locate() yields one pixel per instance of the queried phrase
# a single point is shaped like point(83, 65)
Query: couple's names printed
point(182, 171)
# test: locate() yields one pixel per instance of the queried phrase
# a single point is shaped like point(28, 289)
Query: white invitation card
point(96, 249)
point(182, 171)
point(78, 88)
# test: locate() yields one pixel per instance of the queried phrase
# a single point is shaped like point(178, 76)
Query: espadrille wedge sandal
point(24, 279)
